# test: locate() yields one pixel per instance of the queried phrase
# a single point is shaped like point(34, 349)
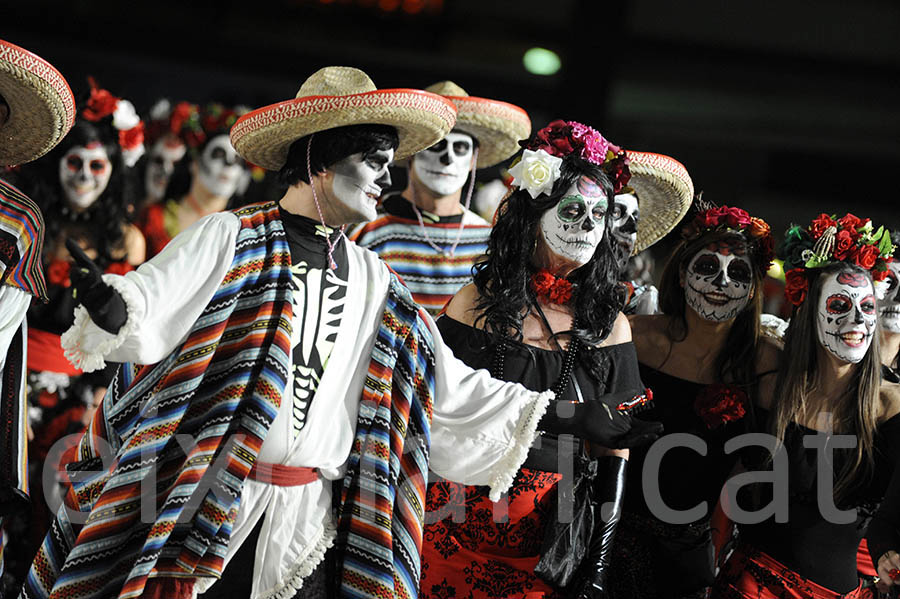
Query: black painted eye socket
point(618, 211)
point(74, 163)
point(461, 148)
point(439, 146)
point(867, 305)
point(739, 271)
point(217, 154)
point(892, 280)
point(599, 213)
point(838, 304)
point(706, 265)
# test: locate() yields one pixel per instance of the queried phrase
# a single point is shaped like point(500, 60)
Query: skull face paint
point(718, 280)
point(574, 227)
point(444, 167)
point(890, 307)
point(846, 315)
point(161, 162)
point(625, 215)
point(219, 167)
point(358, 182)
point(84, 173)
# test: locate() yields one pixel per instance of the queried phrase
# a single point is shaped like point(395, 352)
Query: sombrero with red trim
point(41, 105)
point(498, 126)
point(664, 190)
point(337, 97)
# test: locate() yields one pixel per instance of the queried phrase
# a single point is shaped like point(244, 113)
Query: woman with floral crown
point(702, 357)
point(835, 434)
point(545, 310)
point(206, 179)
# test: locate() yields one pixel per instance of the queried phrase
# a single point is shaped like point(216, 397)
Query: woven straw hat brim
point(665, 192)
point(421, 118)
point(498, 127)
point(41, 105)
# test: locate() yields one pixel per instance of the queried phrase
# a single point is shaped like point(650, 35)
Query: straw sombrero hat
point(498, 126)
point(336, 97)
point(665, 192)
point(41, 105)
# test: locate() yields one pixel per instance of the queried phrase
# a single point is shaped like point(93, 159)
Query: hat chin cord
point(331, 263)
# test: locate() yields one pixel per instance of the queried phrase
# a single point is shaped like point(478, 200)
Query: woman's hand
point(606, 421)
point(888, 571)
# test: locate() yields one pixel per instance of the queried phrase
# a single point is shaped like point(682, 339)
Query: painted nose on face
point(83, 173)
point(384, 180)
point(629, 226)
point(858, 316)
point(587, 224)
point(721, 281)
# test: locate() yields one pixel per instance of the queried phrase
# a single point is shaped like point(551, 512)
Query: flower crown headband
point(539, 166)
point(189, 122)
point(125, 120)
point(830, 240)
point(730, 218)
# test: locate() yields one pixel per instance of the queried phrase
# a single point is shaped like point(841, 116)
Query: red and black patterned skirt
point(479, 549)
point(752, 574)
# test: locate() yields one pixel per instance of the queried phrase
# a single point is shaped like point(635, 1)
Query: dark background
point(786, 108)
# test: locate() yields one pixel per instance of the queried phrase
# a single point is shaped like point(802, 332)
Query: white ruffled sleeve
point(482, 428)
point(164, 298)
point(13, 305)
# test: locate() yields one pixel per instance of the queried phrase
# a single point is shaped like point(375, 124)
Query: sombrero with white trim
point(41, 105)
point(664, 190)
point(498, 126)
point(337, 97)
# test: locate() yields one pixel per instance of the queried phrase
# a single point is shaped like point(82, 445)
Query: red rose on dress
point(850, 222)
point(795, 286)
point(58, 273)
point(132, 138)
point(101, 104)
point(736, 218)
point(819, 224)
point(843, 243)
point(717, 404)
point(866, 256)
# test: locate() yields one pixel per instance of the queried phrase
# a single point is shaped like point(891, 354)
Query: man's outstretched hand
point(104, 304)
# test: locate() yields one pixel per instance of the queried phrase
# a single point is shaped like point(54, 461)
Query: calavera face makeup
point(160, 164)
point(890, 306)
point(358, 182)
point(84, 173)
point(444, 167)
point(219, 167)
point(718, 280)
point(574, 227)
point(846, 316)
point(625, 215)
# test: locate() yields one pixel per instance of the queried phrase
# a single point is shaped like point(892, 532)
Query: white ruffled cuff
point(89, 359)
point(303, 568)
point(504, 471)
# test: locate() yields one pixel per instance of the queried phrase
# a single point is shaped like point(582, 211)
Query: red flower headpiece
point(102, 104)
point(730, 218)
point(564, 138)
point(829, 240)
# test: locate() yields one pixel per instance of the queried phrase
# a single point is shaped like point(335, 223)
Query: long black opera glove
point(606, 420)
point(104, 304)
point(609, 495)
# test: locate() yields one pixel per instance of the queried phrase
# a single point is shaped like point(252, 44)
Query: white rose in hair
point(125, 116)
point(536, 172)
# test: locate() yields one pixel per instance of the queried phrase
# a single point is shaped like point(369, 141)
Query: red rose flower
point(850, 222)
point(819, 224)
point(561, 291)
point(758, 227)
point(736, 218)
point(541, 282)
point(101, 104)
point(796, 286)
point(119, 268)
point(180, 114)
point(880, 275)
point(843, 243)
point(866, 256)
point(708, 218)
point(58, 273)
point(132, 138)
point(717, 404)
point(619, 171)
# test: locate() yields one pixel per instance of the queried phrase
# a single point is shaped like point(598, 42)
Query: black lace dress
point(474, 548)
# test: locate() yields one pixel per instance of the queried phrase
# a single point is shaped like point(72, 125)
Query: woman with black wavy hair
point(544, 310)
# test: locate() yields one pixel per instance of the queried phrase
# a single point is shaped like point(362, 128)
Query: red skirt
point(752, 574)
point(485, 550)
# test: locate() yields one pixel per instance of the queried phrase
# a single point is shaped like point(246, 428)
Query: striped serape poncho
point(160, 471)
point(403, 243)
point(21, 241)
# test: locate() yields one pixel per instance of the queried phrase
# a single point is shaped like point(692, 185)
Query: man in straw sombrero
point(37, 109)
point(428, 235)
point(278, 358)
point(661, 190)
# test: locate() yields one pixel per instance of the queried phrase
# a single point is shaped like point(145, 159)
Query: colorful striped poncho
point(161, 467)
point(21, 241)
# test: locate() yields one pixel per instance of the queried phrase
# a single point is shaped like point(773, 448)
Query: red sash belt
point(281, 475)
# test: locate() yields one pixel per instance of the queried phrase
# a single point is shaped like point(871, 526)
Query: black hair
point(503, 275)
point(333, 145)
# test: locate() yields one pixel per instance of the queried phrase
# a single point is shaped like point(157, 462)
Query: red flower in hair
point(866, 256)
point(843, 243)
point(819, 224)
point(180, 114)
point(736, 218)
point(880, 275)
point(850, 222)
point(796, 286)
point(132, 138)
point(119, 268)
point(708, 219)
point(58, 273)
point(759, 228)
point(101, 104)
point(717, 404)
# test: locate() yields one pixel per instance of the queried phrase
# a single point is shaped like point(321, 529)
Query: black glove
point(609, 495)
point(606, 421)
point(104, 304)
